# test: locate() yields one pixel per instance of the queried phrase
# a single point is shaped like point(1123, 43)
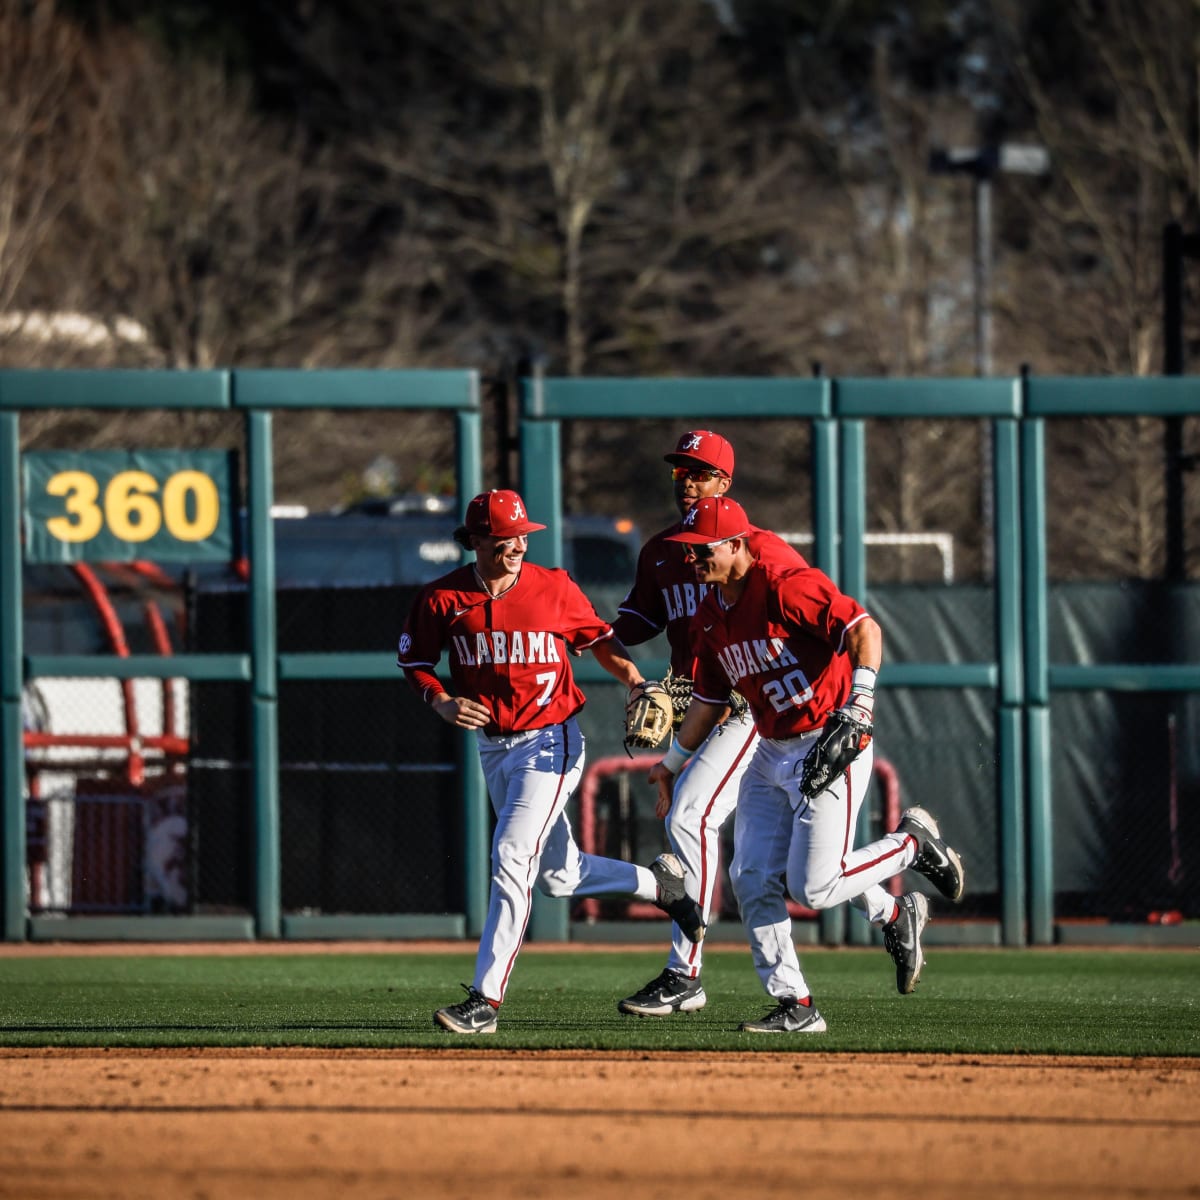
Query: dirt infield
point(466, 1123)
point(470, 1123)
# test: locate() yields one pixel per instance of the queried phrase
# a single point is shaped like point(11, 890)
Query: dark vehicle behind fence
point(410, 539)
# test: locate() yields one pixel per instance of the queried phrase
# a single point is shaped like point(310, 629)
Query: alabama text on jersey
point(505, 646)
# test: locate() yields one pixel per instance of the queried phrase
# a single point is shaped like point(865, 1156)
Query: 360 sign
point(163, 505)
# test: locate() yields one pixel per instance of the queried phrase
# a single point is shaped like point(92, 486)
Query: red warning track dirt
point(471, 1123)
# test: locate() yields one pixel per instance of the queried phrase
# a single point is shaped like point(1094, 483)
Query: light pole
point(982, 163)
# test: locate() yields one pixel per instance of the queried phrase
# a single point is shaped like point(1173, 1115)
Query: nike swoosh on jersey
point(660, 562)
point(707, 628)
point(458, 612)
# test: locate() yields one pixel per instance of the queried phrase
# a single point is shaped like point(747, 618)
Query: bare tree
point(1104, 498)
point(1116, 122)
point(1119, 121)
point(201, 219)
point(884, 252)
point(618, 187)
point(212, 230)
point(590, 194)
point(588, 176)
point(44, 148)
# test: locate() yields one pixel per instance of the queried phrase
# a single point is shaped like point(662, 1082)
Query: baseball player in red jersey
point(665, 596)
point(508, 627)
point(802, 653)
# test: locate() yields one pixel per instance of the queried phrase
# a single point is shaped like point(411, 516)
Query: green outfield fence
point(1017, 676)
point(255, 394)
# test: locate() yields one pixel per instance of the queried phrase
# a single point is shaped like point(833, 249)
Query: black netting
point(1125, 794)
point(221, 798)
point(1135, 621)
point(371, 794)
point(941, 745)
point(370, 800)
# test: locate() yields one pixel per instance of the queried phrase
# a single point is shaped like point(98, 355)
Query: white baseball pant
point(705, 793)
point(780, 835)
point(530, 777)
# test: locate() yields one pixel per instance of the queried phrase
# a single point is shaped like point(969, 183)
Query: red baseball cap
point(703, 446)
point(499, 513)
point(713, 519)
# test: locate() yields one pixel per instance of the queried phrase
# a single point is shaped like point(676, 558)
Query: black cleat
point(789, 1017)
point(673, 900)
point(902, 939)
point(473, 1015)
point(935, 860)
point(671, 992)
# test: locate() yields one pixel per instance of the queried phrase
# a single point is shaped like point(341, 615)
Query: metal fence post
point(476, 809)
point(825, 495)
point(12, 799)
point(852, 579)
point(1037, 682)
point(1011, 699)
point(541, 489)
point(265, 686)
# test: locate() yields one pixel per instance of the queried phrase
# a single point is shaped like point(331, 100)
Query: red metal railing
point(170, 743)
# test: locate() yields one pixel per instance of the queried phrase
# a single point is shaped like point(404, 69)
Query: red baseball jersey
point(665, 594)
point(510, 652)
point(782, 645)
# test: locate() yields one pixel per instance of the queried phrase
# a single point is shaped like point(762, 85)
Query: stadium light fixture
point(982, 163)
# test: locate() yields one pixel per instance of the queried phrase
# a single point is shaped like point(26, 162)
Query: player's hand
point(661, 778)
point(463, 712)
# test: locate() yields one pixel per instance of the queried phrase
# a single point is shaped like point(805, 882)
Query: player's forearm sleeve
point(425, 683)
point(632, 628)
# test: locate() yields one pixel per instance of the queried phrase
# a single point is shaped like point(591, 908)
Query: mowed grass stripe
point(969, 1001)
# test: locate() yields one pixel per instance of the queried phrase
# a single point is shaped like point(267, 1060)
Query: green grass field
point(971, 1001)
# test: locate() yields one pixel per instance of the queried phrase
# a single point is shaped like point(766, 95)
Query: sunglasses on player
point(695, 474)
point(703, 551)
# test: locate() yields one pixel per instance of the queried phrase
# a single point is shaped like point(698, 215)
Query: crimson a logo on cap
point(518, 512)
point(692, 442)
point(690, 519)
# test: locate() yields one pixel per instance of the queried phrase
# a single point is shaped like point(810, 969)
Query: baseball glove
point(648, 715)
point(679, 688)
point(847, 733)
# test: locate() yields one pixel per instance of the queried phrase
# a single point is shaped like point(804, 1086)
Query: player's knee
point(817, 893)
point(555, 883)
point(747, 880)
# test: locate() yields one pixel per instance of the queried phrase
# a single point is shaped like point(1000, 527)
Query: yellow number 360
point(131, 507)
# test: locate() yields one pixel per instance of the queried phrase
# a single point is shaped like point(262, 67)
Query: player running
point(805, 656)
point(665, 596)
point(508, 627)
